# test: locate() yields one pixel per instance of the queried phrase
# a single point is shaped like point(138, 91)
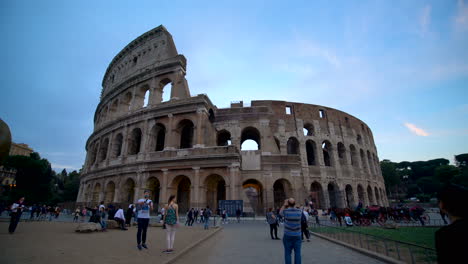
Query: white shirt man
point(120, 218)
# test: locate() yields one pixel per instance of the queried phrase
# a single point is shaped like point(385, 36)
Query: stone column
point(109, 148)
point(124, 149)
point(196, 187)
point(170, 134)
point(155, 93)
point(234, 181)
point(164, 195)
point(199, 131)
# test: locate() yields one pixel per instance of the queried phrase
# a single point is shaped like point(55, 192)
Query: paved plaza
point(248, 242)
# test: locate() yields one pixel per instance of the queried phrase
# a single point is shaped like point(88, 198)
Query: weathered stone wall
point(188, 147)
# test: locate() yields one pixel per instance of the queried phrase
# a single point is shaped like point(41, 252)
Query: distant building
point(7, 176)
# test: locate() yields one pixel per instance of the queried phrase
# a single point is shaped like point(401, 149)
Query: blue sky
point(400, 66)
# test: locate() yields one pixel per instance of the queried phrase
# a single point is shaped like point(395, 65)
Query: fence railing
point(399, 250)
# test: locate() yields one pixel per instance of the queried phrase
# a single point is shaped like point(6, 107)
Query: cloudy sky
point(400, 66)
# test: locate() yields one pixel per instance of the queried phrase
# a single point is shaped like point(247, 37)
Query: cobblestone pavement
point(250, 242)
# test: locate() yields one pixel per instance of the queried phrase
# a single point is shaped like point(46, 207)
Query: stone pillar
point(155, 93)
point(124, 150)
point(164, 187)
point(109, 148)
point(199, 131)
point(234, 181)
point(170, 134)
point(196, 187)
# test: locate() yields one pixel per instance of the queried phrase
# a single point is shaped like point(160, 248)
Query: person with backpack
point(171, 219)
point(206, 217)
point(144, 206)
point(304, 225)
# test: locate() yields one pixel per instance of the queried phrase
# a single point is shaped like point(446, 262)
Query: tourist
point(196, 213)
point(292, 231)
point(273, 222)
point(32, 210)
point(76, 214)
point(224, 216)
point(163, 212)
point(16, 211)
point(452, 241)
point(304, 225)
point(128, 215)
point(96, 217)
point(119, 217)
point(202, 211)
point(206, 217)
point(84, 213)
point(189, 217)
point(238, 214)
point(102, 212)
point(171, 219)
point(143, 216)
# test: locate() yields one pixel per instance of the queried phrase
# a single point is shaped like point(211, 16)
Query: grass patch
point(422, 236)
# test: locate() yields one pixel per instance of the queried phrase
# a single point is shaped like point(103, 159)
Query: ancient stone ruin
point(189, 147)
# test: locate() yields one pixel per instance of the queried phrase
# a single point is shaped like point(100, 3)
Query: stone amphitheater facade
point(188, 147)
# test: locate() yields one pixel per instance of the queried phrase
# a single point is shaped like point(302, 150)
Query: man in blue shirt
point(292, 231)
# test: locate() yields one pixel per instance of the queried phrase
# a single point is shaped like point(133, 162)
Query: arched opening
point(183, 186)
point(251, 135)
point(253, 196)
point(354, 155)
point(341, 153)
point(96, 192)
point(211, 115)
point(157, 137)
point(359, 139)
point(146, 98)
point(93, 154)
point(333, 195)
point(186, 129)
point(103, 150)
point(281, 191)
point(134, 142)
point(310, 149)
point(117, 146)
point(308, 129)
point(165, 92)
point(377, 196)
point(316, 195)
point(126, 102)
point(88, 193)
point(110, 192)
point(361, 194)
point(223, 138)
point(371, 163)
point(363, 159)
point(349, 196)
point(293, 146)
point(215, 190)
point(128, 191)
point(370, 195)
point(154, 187)
point(327, 153)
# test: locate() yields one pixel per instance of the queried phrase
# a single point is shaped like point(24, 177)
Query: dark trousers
point(15, 217)
point(121, 223)
point(191, 220)
point(274, 228)
point(142, 228)
point(305, 230)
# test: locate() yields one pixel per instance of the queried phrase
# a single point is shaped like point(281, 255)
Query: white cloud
point(461, 19)
point(60, 166)
point(416, 130)
point(425, 20)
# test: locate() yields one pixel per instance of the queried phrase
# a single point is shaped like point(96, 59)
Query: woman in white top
point(16, 211)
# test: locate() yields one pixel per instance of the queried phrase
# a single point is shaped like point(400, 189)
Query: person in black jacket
point(452, 241)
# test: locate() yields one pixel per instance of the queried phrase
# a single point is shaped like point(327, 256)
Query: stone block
point(88, 227)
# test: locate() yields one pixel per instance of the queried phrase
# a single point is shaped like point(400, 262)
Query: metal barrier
point(400, 250)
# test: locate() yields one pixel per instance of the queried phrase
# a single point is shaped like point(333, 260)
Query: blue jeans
point(207, 222)
point(290, 243)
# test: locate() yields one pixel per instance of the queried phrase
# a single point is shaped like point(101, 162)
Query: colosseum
point(188, 147)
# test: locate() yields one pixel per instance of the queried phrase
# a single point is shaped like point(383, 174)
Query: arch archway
point(157, 137)
point(109, 193)
point(215, 190)
point(223, 138)
point(128, 191)
point(250, 133)
point(293, 146)
point(186, 130)
point(282, 190)
point(308, 129)
point(370, 195)
point(377, 196)
point(96, 192)
point(341, 153)
point(134, 141)
point(354, 155)
point(316, 195)
point(182, 185)
point(327, 153)
point(333, 194)
point(361, 194)
point(117, 145)
point(103, 150)
point(154, 187)
point(363, 159)
point(349, 196)
point(310, 149)
point(253, 196)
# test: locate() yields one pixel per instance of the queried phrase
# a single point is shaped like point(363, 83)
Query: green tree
point(390, 175)
point(72, 185)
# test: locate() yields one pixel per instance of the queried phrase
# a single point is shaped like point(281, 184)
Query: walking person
point(273, 222)
point(128, 215)
point(206, 217)
point(171, 219)
point(102, 212)
point(76, 214)
point(304, 226)
point(16, 211)
point(238, 214)
point(292, 231)
point(143, 216)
